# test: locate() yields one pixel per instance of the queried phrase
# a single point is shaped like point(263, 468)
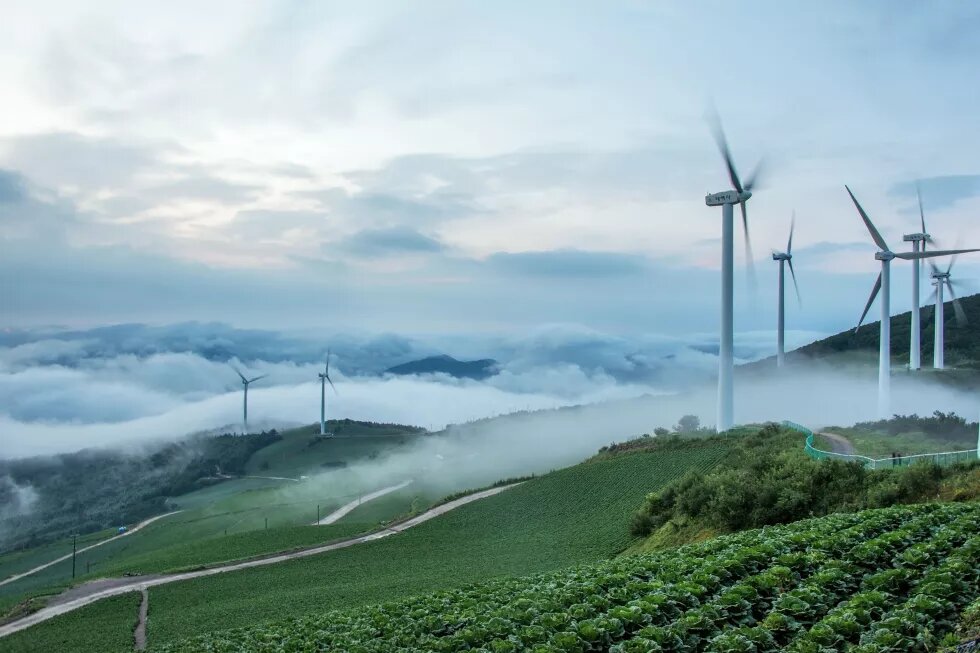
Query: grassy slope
point(301, 451)
point(16, 562)
point(238, 507)
point(103, 627)
point(573, 515)
point(881, 445)
point(962, 348)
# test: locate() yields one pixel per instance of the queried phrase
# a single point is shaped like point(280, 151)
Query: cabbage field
point(893, 579)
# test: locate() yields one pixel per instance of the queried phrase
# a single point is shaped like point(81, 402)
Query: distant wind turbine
point(941, 279)
point(245, 384)
point(727, 200)
point(324, 379)
point(918, 241)
point(885, 255)
point(783, 258)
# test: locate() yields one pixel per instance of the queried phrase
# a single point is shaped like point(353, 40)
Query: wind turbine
point(245, 384)
point(783, 258)
point(883, 283)
point(918, 241)
point(941, 279)
point(727, 200)
point(324, 379)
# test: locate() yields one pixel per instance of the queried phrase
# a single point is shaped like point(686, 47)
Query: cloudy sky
point(447, 167)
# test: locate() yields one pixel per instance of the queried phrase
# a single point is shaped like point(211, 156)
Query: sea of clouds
point(63, 390)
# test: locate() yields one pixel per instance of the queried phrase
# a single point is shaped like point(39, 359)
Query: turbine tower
point(324, 379)
point(784, 258)
point(941, 279)
point(727, 200)
point(918, 241)
point(883, 283)
point(245, 384)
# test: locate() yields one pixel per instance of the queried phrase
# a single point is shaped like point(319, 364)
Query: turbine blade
point(922, 215)
point(261, 376)
point(792, 226)
point(756, 175)
point(327, 376)
point(932, 297)
point(871, 300)
point(326, 368)
point(237, 371)
point(957, 307)
point(935, 270)
point(909, 256)
point(879, 241)
point(792, 273)
point(726, 154)
point(749, 260)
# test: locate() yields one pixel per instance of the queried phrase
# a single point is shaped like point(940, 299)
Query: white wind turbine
point(784, 258)
point(324, 379)
point(918, 241)
point(245, 384)
point(941, 279)
point(727, 200)
point(883, 283)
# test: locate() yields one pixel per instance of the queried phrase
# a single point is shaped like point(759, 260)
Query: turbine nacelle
point(781, 256)
point(884, 255)
point(727, 197)
point(919, 237)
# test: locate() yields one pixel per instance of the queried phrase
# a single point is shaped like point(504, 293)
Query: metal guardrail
point(942, 459)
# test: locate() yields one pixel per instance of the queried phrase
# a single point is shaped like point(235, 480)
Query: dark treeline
point(94, 489)
point(940, 426)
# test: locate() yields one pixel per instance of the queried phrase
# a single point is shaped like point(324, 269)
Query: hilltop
point(962, 348)
point(477, 370)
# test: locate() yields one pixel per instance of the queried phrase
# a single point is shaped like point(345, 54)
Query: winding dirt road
point(91, 592)
point(142, 524)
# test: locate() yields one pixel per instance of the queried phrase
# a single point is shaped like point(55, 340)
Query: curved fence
point(942, 458)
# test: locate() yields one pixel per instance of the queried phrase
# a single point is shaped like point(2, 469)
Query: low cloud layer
point(67, 390)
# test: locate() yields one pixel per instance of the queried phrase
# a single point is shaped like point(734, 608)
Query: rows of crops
point(105, 626)
point(894, 579)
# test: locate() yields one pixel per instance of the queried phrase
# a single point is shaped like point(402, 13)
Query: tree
point(688, 424)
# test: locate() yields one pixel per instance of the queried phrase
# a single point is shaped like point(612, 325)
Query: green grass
point(876, 444)
point(302, 452)
point(238, 546)
point(566, 517)
point(15, 562)
point(102, 627)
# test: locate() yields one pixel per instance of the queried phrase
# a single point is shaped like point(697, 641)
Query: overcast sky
point(450, 167)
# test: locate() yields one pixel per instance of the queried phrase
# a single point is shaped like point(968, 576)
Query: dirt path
point(346, 508)
point(92, 592)
point(145, 522)
point(139, 635)
point(838, 443)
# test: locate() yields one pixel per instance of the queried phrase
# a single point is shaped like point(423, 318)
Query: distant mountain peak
point(446, 364)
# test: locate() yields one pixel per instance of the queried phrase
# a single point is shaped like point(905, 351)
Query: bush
point(765, 484)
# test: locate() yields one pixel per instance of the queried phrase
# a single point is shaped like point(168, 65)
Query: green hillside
point(227, 519)
point(962, 341)
point(894, 579)
point(574, 515)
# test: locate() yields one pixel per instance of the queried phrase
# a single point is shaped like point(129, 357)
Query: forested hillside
point(962, 340)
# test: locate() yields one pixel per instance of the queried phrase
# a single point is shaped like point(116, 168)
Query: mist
point(477, 454)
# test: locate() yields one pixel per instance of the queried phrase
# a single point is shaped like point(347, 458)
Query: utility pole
point(318, 514)
point(74, 538)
